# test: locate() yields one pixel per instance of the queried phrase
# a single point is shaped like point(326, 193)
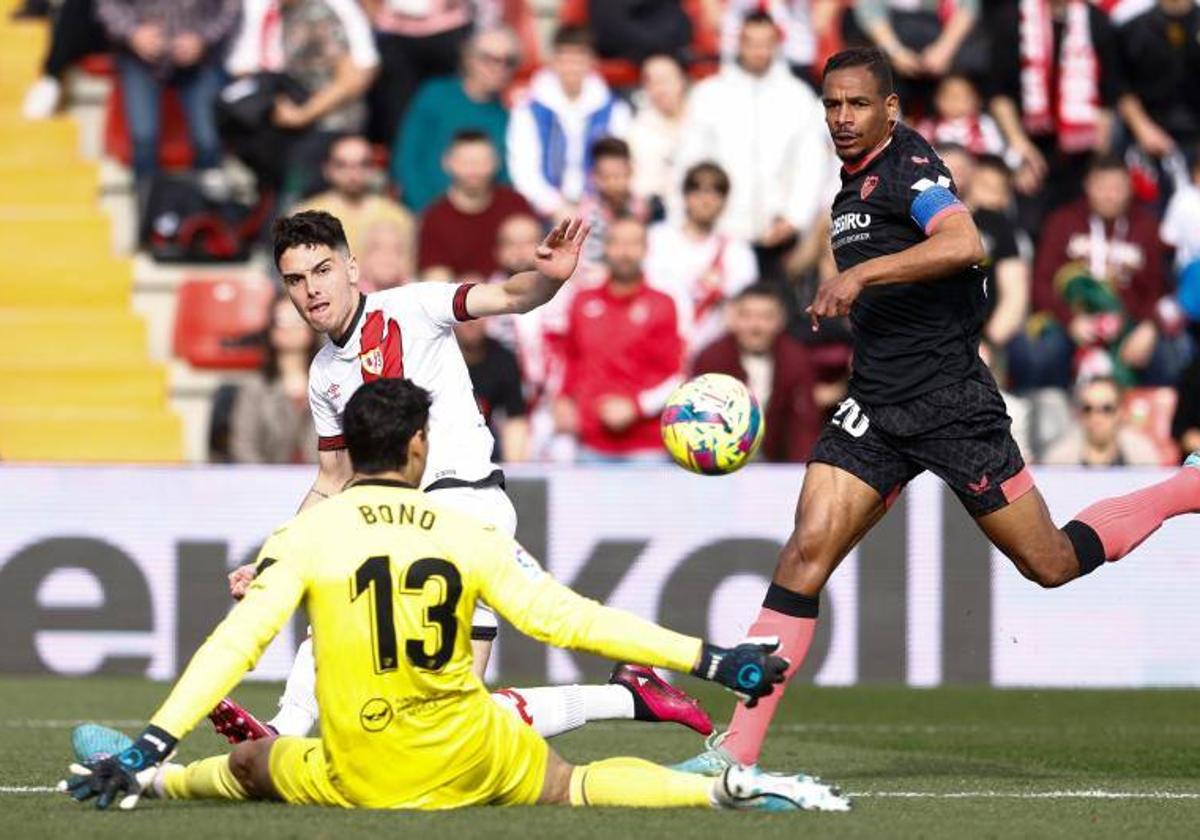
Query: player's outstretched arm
point(952, 245)
point(541, 607)
point(554, 263)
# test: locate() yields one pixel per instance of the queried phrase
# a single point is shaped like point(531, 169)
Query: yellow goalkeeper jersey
point(390, 579)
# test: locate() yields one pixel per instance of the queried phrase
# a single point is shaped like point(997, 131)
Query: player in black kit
point(920, 397)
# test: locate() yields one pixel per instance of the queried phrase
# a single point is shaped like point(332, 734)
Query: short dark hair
point(994, 162)
point(669, 56)
point(950, 148)
point(706, 169)
point(610, 147)
point(470, 135)
point(756, 16)
point(380, 420)
point(1106, 162)
point(308, 228)
point(572, 35)
point(869, 57)
point(762, 289)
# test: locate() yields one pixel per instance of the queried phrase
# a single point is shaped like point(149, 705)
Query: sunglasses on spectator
point(507, 59)
point(1098, 408)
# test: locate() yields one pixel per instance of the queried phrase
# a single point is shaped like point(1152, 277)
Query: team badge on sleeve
point(525, 562)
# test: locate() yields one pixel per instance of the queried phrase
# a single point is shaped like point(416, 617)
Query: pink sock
point(748, 729)
point(1123, 523)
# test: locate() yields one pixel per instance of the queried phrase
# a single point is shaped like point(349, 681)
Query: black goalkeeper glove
point(749, 670)
point(121, 777)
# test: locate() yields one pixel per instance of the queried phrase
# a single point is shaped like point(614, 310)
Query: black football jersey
point(909, 338)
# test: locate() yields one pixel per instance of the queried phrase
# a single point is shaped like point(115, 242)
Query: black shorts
point(959, 432)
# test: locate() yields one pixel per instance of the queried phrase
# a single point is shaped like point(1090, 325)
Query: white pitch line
point(64, 723)
point(898, 794)
point(1045, 794)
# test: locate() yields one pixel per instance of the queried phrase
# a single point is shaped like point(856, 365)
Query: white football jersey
point(408, 332)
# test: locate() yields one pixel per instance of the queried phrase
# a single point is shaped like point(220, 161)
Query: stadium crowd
point(446, 136)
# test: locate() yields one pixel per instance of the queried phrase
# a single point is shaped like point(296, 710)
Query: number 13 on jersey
point(439, 627)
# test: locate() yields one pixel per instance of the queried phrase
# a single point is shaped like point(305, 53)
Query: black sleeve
point(1005, 246)
point(1108, 56)
point(509, 391)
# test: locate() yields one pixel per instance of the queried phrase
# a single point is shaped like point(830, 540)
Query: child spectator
point(550, 134)
point(958, 119)
point(458, 233)
point(610, 195)
point(775, 366)
point(694, 263)
point(443, 107)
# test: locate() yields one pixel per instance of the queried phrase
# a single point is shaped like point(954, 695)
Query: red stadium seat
point(97, 64)
point(174, 146)
point(1149, 410)
point(213, 316)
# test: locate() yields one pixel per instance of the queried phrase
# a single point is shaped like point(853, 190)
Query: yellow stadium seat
point(85, 234)
point(95, 435)
point(47, 386)
point(53, 279)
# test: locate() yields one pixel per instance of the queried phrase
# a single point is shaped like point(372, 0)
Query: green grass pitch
point(923, 763)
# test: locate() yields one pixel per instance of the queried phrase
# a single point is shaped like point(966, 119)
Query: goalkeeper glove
point(749, 670)
point(121, 777)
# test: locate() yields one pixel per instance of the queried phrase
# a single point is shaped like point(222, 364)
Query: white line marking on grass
point(64, 723)
point(24, 789)
point(1041, 794)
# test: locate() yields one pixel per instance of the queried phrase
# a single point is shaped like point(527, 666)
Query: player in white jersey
point(407, 332)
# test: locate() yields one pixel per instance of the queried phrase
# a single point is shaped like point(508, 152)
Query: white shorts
point(490, 505)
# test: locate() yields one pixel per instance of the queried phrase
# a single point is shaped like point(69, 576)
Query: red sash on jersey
point(381, 357)
point(709, 295)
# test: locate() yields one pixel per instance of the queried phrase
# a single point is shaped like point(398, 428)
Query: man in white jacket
point(551, 131)
point(766, 129)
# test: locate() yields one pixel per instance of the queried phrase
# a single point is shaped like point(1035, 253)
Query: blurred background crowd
point(448, 134)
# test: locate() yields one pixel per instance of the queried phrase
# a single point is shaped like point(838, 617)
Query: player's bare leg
point(1103, 532)
point(835, 510)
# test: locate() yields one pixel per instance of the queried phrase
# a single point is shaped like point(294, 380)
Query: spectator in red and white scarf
point(694, 263)
point(1055, 77)
point(959, 120)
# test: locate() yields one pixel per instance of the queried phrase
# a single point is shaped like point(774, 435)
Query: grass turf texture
point(870, 740)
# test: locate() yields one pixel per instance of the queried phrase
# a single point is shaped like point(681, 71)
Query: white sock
point(298, 705)
point(553, 710)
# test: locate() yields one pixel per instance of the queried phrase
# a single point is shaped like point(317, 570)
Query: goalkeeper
point(389, 580)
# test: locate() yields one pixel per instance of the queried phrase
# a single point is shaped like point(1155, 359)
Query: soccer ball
point(712, 424)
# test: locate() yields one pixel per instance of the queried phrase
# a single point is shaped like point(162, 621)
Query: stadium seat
point(174, 146)
point(1150, 410)
point(67, 279)
point(74, 434)
point(211, 315)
